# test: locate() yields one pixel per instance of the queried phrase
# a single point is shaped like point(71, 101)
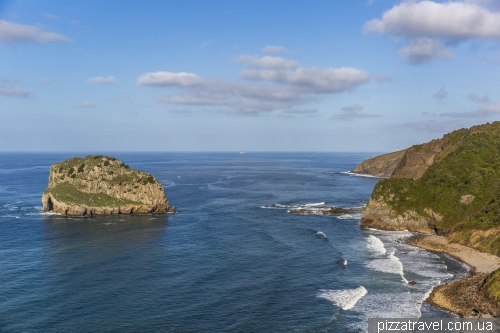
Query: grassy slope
point(471, 166)
point(69, 194)
point(76, 168)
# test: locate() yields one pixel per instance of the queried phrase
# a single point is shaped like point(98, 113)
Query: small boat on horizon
point(242, 153)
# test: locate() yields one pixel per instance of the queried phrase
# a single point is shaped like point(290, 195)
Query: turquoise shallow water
point(231, 260)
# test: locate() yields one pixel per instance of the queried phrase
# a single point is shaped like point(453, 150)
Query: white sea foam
point(312, 204)
point(10, 216)
point(404, 261)
point(293, 206)
point(358, 174)
point(320, 234)
point(376, 245)
point(268, 207)
point(49, 213)
point(390, 265)
point(345, 299)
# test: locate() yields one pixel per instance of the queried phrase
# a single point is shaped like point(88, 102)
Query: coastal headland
point(449, 188)
point(100, 185)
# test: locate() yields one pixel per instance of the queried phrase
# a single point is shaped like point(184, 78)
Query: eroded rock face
point(98, 185)
point(380, 215)
point(380, 166)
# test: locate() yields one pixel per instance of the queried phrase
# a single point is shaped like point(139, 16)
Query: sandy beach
point(462, 297)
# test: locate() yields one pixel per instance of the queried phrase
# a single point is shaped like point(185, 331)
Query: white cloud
point(17, 33)
point(460, 20)
point(429, 25)
point(205, 44)
point(432, 126)
point(425, 49)
point(268, 62)
point(353, 111)
point(329, 80)
point(15, 92)
point(383, 78)
point(486, 111)
point(353, 107)
point(85, 105)
point(308, 111)
point(190, 99)
point(58, 18)
point(45, 81)
point(179, 111)
point(181, 79)
point(274, 49)
point(102, 80)
point(281, 88)
point(479, 99)
point(441, 95)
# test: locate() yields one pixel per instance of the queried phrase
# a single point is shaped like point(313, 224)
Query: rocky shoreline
point(463, 297)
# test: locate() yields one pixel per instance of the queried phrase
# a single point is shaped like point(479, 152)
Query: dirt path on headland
point(462, 297)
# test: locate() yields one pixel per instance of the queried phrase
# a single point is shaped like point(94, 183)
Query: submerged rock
point(99, 185)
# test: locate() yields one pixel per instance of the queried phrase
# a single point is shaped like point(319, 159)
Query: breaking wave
point(345, 299)
point(376, 245)
point(358, 174)
point(390, 265)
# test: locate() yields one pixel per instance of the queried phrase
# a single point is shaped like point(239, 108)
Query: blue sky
point(244, 75)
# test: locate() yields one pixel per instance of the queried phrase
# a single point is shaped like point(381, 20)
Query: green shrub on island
point(69, 194)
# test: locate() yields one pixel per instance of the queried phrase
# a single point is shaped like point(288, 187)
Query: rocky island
point(99, 185)
point(450, 188)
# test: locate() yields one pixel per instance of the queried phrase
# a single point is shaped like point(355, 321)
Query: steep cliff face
point(97, 185)
point(380, 166)
point(418, 158)
point(448, 186)
point(380, 215)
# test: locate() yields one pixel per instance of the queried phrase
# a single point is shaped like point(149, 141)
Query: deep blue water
point(231, 260)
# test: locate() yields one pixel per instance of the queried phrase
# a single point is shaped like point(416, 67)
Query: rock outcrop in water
point(98, 185)
point(323, 210)
point(380, 166)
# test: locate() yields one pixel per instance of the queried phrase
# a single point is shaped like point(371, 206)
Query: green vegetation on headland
point(491, 286)
point(462, 189)
point(450, 186)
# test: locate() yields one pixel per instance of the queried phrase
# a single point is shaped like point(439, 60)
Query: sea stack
point(100, 185)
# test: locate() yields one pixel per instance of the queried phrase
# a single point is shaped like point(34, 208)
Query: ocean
point(231, 260)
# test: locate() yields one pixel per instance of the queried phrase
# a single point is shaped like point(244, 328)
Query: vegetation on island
point(103, 181)
point(68, 193)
